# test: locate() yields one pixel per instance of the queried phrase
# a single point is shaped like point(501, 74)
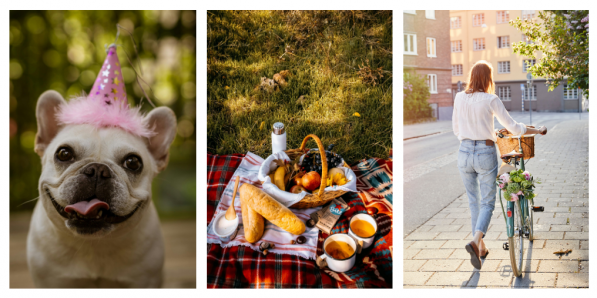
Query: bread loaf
point(253, 223)
point(259, 201)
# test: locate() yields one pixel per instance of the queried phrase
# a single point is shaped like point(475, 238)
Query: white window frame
point(525, 14)
point(431, 51)
point(478, 20)
point(476, 44)
point(533, 92)
point(432, 83)
point(455, 22)
point(411, 12)
point(502, 65)
point(526, 39)
point(502, 16)
point(569, 92)
point(504, 93)
point(457, 70)
point(430, 14)
point(408, 44)
point(501, 44)
point(456, 46)
point(525, 67)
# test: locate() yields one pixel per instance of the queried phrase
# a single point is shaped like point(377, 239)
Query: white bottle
point(278, 138)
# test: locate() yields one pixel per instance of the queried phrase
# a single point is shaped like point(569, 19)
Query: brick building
point(487, 35)
point(427, 53)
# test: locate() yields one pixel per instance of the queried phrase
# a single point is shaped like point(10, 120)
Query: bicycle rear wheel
point(516, 242)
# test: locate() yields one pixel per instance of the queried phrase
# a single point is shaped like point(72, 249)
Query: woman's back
point(473, 116)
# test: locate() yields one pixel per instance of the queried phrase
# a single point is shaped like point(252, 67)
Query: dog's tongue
point(87, 207)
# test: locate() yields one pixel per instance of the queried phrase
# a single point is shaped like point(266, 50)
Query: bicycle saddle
point(512, 154)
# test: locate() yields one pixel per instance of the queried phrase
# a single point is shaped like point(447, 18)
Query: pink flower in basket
point(505, 178)
point(527, 175)
point(502, 185)
point(519, 193)
point(514, 197)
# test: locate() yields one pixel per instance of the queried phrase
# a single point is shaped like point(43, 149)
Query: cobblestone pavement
point(434, 254)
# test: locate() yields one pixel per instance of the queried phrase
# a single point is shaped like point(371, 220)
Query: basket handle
point(324, 161)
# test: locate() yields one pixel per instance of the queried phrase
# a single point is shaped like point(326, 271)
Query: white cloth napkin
point(248, 172)
point(287, 198)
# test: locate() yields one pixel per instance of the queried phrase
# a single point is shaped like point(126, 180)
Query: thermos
point(278, 138)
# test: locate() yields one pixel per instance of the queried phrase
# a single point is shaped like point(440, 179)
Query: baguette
point(259, 201)
point(253, 223)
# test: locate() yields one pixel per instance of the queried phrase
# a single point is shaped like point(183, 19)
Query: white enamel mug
point(368, 218)
point(335, 264)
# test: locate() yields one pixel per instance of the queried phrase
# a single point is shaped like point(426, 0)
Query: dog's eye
point(133, 163)
point(65, 154)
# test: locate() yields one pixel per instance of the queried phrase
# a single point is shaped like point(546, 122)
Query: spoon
point(231, 213)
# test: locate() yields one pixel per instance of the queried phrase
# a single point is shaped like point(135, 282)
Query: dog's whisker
point(27, 202)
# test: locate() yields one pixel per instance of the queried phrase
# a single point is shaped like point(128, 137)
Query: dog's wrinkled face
point(96, 180)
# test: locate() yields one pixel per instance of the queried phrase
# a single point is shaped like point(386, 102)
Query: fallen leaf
point(226, 87)
point(262, 125)
point(356, 114)
point(561, 251)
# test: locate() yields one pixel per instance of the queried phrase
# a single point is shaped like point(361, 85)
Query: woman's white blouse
point(473, 117)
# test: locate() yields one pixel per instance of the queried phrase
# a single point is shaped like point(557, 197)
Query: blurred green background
point(64, 50)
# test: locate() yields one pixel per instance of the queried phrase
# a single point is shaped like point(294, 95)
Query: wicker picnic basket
point(508, 143)
point(323, 197)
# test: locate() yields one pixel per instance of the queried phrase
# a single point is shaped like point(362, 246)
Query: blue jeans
point(478, 166)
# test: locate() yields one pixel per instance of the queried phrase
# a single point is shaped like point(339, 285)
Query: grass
point(340, 61)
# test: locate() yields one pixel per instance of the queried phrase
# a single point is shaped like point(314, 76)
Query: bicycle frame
point(523, 210)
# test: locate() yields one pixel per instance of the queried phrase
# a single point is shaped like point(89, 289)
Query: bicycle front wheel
point(516, 241)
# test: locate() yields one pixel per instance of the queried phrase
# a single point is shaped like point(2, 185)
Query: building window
point(456, 46)
point(504, 93)
point(478, 44)
point(528, 14)
point(478, 20)
point(431, 48)
point(455, 22)
point(570, 93)
point(503, 42)
point(432, 83)
point(504, 67)
point(526, 40)
point(430, 14)
point(527, 63)
point(503, 16)
point(456, 69)
point(410, 44)
point(410, 11)
point(532, 91)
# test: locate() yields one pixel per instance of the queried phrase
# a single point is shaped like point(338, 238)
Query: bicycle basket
point(507, 144)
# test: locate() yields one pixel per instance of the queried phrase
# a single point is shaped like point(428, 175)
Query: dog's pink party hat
point(107, 104)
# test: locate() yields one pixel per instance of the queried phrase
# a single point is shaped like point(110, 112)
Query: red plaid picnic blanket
point(242, 267)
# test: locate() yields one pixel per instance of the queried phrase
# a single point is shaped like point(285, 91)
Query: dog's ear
point(163, 122)
point(47, 124)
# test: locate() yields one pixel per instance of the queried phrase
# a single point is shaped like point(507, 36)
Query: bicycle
point(518, 217)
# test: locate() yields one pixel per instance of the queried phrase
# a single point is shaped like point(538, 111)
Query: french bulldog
point(94, 224)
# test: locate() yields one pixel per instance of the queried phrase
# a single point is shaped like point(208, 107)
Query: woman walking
point(472, 122)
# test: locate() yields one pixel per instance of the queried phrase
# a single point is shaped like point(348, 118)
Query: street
point(431, 178)
point(437, 219)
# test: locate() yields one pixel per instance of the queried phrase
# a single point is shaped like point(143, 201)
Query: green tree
point(563, 38)
point(416, 94)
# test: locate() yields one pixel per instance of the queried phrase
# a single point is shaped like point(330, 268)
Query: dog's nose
point(96, 170)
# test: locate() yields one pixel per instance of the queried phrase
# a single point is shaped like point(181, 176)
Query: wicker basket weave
point(509, 143)
point(322, 197)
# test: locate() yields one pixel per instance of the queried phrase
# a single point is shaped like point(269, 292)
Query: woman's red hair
point(480, 78)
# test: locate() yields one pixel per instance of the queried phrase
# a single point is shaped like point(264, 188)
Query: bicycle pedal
point(506, 246)
point(538, 208)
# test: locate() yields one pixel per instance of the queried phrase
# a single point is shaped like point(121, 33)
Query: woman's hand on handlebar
point(541, 130)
